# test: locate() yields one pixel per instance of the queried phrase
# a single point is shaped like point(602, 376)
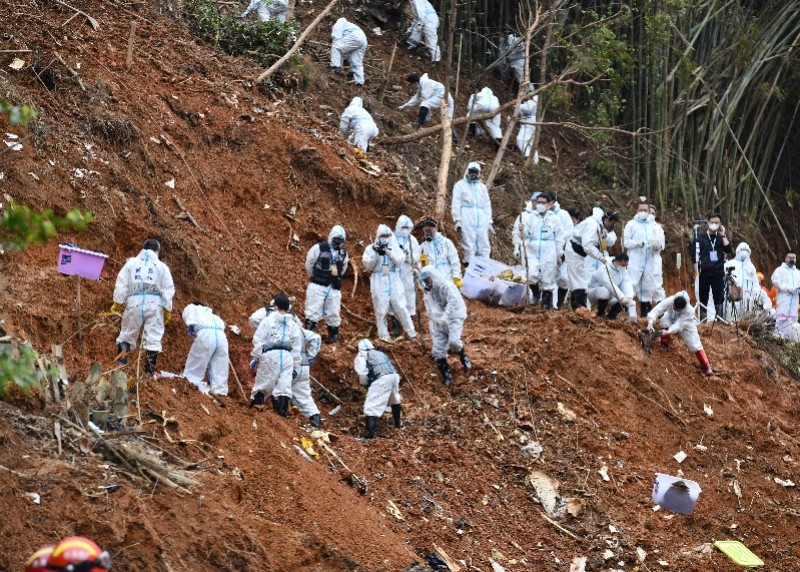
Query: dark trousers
point(715, 283)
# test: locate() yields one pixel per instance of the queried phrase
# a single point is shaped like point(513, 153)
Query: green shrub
point(265, 42)
point(21, 370)
point(20, 226)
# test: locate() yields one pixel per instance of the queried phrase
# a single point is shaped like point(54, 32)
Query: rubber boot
point(703, 314)
point(315, 421)
point(422, 116)
point(123, 347)
point(454, 135)
point(704, 365)
point(150, 363)
point(464, 359)
point(371, 424)
point(614, 311)
point(444, 369)
point(665, 339)
point(578, 299)
point(394, 327)
point(310, 325)
point(397, 415)
point(719, 310)
point(547, 300)
point(258, 399)
point(333, 334)
point(562, 297)
point(644, 309)
point(282, 407)
point(535, 293)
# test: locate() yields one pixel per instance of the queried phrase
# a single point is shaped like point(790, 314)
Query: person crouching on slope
point(677, 317)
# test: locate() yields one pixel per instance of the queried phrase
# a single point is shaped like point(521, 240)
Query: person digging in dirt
point(424, 27)
point(537, 236)
point(350, 43)
point(383, 258)
point(446, 315)
point(589, 241)
point(643, 243)
point(326, 263)
point(376, 372)
point(439, 251)
point(471, 210)
point(677, 317)
point(310, 344)
point(266, 9)
point(145, 287)
point(357, 125)
point(411, 253)
point(276, 346)
point(429, 95)
point(209, 352)
point(485, 101)
point(611, 286)
point(78, 554)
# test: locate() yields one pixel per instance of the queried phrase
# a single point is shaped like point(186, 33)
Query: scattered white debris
point(546, 490)
point(603, 471)
point(532, 450)
point(612, 528)
point(701, 448)
point(496, 567)
point(641, 553)
point(17, 64)
point(708, 410)
point(786, 483)
point(335, 410)
point(656, 508)
point(704, 548)
point(255, 425)
point(608, 554)
point(12, 143)
point(737, 490)
point(567, 414)
point(170, 183)
point(235, 329)
point(35, 497)
point(155, 140)
point(578, 564)
point(95, 428)
point(266, 207)
point(663, 563)
point(377, 31)
point(34, 175)
point(680, 456)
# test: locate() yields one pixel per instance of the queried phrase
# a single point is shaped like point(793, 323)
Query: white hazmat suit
point(376, 372)
point(411, 253)
point(567, 228)
point(383, 259)
point(209, 352)
point(276, 345)
point(348, 42)
point(447, 313)
point(527, 127)
point(310, 344)
point(357, 125)
point(745, 274)
point(325, 265)
point(424, 28)
point(541, 235)
point(471, 210)
point(613, 283)
point(642, 241)
point(592, 236)
point(679, 322)
point(430, 94)
point(144, 285)
point(266, 9)
point(442, 254)
point(485, 101)
point(786, 280)
point(514, 53)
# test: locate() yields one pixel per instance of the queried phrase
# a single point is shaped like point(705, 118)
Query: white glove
point(402, 107)
point(650, 327)
point(655, 244)
point(626, 301)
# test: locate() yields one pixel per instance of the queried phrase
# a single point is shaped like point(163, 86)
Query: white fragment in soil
point(603, 471)
point(786, 483)
point(612, 528)
point(34, 175)
point(174, 391)
point(170, 183)
point(52, 162)
point(16, 64)
point(532, 450)
point(608, 554)
point(155, 140)
point(701, 448)
point(707, 409)
point(13, 145)
point(567, 415)
point(496, 567)
point(255, 425)
point(641, 553)
point(704, 548)
point(737, 490)
point(663, 562)
point(35, 498)
point(377, 31)
point(235, 329)
point(680, 456)
point(578, 564)
point(266, 207)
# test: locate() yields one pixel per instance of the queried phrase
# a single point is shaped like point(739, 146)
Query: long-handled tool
point(325, 389)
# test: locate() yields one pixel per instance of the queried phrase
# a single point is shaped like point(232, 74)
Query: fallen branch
point(184, 214)
point(575, 389)
point(451, 564)
point(298, 43)
point(559, 527)
point(72, 71)
point(91, 20)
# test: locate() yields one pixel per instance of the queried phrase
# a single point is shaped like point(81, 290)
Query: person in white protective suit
point(568, 218)
point(310, 343)
point(513, 50)
point(537, 236)
point(447, 313)
point(786, 280)
point(677, 317)
point(659, 294)
point(424, 28)
point(611, 285)
point(744, 274)
point(527, 127)
point(145, 288)
point(440, 252)
point(593, 264)
point(588, 241)
point(384, 258)
point(267, 9)
point(209, 352)
point(642, 241)
point(376, 372)
point(357, 125)
point(485, 101)
point(411, 255)
point(429, 95)
point(326, 262)
point(276, 349)
point(349, 43)
point(471, 210)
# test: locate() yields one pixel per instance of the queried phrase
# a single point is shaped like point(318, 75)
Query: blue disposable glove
point(253, 364)
point(190, 330)
point(294, 374)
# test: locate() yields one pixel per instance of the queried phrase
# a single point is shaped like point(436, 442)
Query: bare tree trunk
point(542, 77)
point(447, 139)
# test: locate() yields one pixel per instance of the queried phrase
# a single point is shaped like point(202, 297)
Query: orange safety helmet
point(78, 554)
point(38, 560)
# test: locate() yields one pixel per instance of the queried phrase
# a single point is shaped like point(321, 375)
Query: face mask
point(428, 236)
point(741, 256)
point(642, 215)
point(337, 242)
point(473, 175)
point(540, 208)
point(792, 262)
point(427, 285)
point(651, 218)
point(713, 227)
